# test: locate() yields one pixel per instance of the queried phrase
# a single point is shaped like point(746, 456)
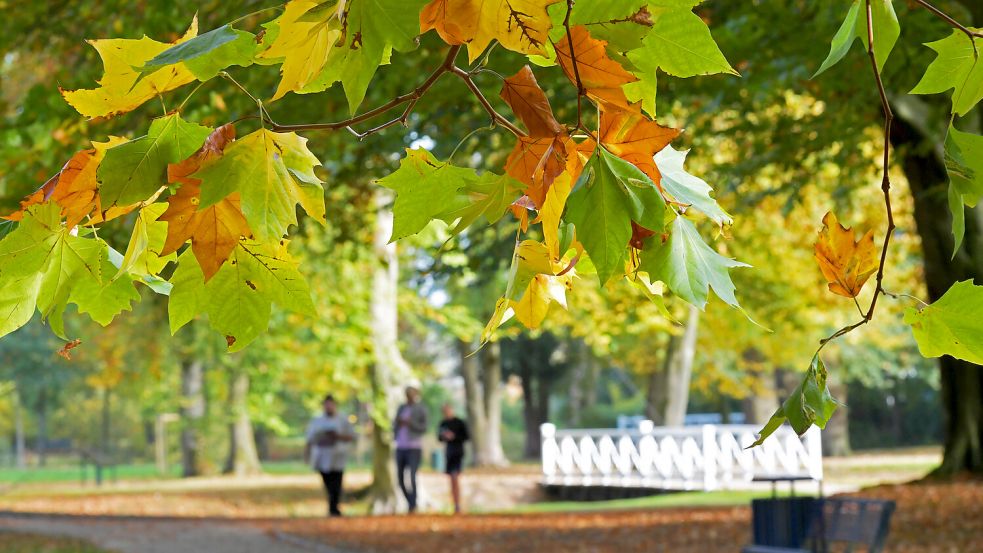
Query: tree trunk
point(576, 396)
point(836, 435)
point(192, 415)
point(475, 400)
point(20, 460)
point(389, 367)
point(106, 427)
point(669, 388)
point(243, 459)
point(961, 381)
point(531, 413)
point(491, 373)
point(42, 436)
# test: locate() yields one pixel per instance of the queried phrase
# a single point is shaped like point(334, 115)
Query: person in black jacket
point(453, 432)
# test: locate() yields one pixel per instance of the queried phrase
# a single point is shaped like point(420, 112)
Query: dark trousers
point(332, 485)
point(408, 460)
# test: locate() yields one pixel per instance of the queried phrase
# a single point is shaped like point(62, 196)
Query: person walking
point(326, 449)
point(409, 426)
point(453, 432)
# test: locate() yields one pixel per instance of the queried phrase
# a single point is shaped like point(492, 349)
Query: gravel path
point(160, 535)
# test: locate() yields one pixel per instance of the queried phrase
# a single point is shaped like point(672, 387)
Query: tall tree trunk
point(491, 373)
point(243, 459)
point(669, 388)
point(961, 381)
point(389, 367)
point(576, 395)
point(475, 402)
point(20, 460)
point(42, 437)
point(530, 415)
point(192, 415)
point(836, 435)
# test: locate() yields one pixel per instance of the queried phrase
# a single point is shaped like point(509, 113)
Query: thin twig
point(410, 98)
point(573, 61)
point(950, 20)
point(497, 118)
point(885, 185)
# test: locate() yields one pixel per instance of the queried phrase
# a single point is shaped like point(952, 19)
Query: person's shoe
point(335, 514)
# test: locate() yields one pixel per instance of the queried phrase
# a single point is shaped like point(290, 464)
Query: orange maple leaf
point(518, 25)
point(76, 189)
point(213, 231)
point(632, 136)
point(528, 101)
point(601, 76)
point(846, 264)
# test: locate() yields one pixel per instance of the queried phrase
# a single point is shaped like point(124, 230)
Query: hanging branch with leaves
point(212, 208)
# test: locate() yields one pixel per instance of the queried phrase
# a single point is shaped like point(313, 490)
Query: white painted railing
point(704, 457)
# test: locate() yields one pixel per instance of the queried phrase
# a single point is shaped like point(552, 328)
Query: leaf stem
point(885, 187)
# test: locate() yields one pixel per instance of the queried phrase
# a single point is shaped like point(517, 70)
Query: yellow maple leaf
point(846, 264)
point(519, 25)
point(552, 210)
point(121, 88)
point(303, 43)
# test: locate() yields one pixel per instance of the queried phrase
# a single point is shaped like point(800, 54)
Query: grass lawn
point(30, 543)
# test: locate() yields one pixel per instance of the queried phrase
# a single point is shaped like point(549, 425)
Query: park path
point(161, 535)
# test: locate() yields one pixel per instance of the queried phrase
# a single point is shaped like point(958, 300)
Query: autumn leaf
point(303, 44)
point(536, 162)
point(215, 230)
point(601, 76)
point(66, 350)
point(272, 172)
point(844, 263)
point(122, 87)
point(75, 188)
point(518, 25)
point(528, 101)
point(635, 138)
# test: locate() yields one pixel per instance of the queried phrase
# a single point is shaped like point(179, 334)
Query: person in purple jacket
point(409, 426)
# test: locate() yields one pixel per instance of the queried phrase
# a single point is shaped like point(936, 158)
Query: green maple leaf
point(424, 189)
point(686, 188)
point(103, 301)
point(886, 32)
point(239, 298)
point(957, 67)
point(44, 261)
point(688, 266)
point(146, 242)
point(207, 54)
point(809, 404)
point(964, 164)
point(610, 194)
point(135, 170)
point(678, 43)
point(272, 172)
point(372, 29)
point(488, 196)
point(952, 325)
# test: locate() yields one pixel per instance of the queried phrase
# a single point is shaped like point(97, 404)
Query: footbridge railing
point(706, 457)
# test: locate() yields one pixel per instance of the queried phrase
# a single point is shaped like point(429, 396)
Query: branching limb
point(885, 185)
point(497, 118)
point(581, 91)
point(949, 19)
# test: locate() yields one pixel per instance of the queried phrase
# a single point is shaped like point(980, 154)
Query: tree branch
point(573, 61)
point(410, 98)
point(949, 19)
point(885, 185)
point(497, 118)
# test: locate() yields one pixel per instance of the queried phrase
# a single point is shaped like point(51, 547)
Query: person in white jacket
point(326, 449)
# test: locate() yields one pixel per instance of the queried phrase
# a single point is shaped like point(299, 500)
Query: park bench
point(837, 524)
